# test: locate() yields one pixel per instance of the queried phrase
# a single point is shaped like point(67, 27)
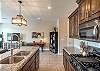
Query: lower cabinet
point(70, 68)
point(66, 62)
point(32, 64)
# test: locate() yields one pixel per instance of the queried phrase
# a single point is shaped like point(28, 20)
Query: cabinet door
point(76, 25)
point(70, 28)
point(71, 21)
point(87, 8)
point(26, 67)
point(33, 66)
point(95, 6)
point(64, 60)
point(71, 68)
point(82, 11)
point(37, 63)
point(98, 5)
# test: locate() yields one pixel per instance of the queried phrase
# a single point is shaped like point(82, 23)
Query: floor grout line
point(50, 62)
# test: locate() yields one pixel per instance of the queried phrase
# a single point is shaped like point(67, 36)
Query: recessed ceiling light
point(49, 7)
point(38, 18)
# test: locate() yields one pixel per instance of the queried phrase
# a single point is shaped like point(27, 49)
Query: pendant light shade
point(19, 19)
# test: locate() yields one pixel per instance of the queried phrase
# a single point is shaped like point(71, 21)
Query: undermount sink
point(11, 60)
point(22, 53)
point(3, 51)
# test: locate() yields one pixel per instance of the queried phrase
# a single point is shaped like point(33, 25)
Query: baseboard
point(60, 53)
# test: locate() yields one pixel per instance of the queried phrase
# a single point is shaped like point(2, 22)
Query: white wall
point(27, 31)
point(64, 40)
point(0, 11)
point(46, 28)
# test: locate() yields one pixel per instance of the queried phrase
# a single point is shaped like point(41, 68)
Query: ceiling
point(33, 9)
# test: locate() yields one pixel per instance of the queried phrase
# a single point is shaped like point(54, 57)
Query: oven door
point(90, 33)
point(87, 33)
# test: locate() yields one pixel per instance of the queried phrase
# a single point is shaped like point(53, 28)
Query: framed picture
point(37, 34)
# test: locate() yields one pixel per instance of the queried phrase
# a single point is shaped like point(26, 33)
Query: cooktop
point(92, 63)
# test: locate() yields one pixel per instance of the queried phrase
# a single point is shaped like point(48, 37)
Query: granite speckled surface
point(19, 65)
point(72, 50)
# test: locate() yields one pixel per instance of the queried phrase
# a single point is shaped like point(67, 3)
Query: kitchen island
point(25, 59)
point(74, 61)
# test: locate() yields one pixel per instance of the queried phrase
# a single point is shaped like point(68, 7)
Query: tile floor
point(51, 62)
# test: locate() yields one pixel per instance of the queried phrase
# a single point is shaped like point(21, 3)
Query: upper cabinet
point(95, 9)
point(84, 11)
point(95, 6)
point(74, 24)
point(88, 10)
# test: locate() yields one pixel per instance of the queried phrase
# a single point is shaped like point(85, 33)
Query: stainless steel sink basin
point(3, 51)
point(12, 60)
point(22, 53)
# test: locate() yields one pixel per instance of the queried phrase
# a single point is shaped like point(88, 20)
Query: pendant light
point(19, 19)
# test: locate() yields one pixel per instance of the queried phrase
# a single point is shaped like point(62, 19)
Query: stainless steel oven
point(90, 30)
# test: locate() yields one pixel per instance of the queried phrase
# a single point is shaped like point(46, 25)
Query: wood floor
point(51, 62)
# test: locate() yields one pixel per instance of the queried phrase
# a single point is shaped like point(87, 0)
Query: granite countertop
point(81, 59)
point(19, 65)
point(72, 50)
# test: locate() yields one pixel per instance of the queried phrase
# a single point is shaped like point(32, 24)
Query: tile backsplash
point(90, 43)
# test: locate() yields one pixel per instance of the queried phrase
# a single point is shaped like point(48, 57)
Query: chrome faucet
point(12, 39)
point(11, 43)
point(11, 52)
point(11, 59)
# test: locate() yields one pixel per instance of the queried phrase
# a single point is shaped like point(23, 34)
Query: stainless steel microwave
point(90, 31)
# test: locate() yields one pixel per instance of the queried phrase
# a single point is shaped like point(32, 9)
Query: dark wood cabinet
point(95, 9)
point(95, 6)
point(84, 11)
point(71, 27)
point(32, 64)
point(88, 10)
point(74, 24)
point(66, 62)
